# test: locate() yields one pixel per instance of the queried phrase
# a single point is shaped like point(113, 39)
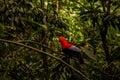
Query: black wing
point(73, 53)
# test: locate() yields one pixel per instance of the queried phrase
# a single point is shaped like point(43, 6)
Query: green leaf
point(116, 54)
point(1, 28)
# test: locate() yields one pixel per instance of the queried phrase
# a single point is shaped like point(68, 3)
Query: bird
point(70, 50)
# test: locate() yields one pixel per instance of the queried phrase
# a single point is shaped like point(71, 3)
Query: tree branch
point(29, 41)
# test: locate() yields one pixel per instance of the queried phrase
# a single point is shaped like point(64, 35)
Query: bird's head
point(62, 39)
point(64, 42)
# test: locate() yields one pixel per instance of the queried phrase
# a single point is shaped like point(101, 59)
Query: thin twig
point(5, 73)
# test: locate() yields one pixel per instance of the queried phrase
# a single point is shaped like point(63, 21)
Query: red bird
point(70, 49)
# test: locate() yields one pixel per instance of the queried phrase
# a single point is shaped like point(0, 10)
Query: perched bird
point(70, 50)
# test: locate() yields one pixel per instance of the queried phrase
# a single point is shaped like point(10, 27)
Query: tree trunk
point(44, 41)
point(103, 33)
point(42, 4)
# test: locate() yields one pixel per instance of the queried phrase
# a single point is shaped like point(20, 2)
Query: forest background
point(29, 46)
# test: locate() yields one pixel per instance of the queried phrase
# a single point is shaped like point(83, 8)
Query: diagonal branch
point(40, 51)
point(43, 45)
